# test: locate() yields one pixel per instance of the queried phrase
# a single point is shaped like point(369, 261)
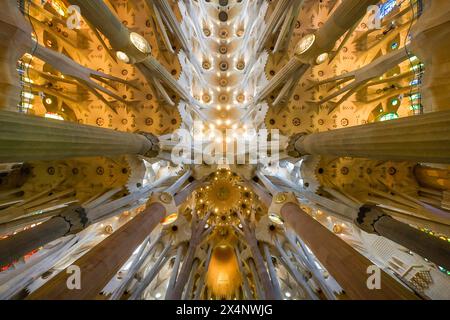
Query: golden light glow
point(305, 44)
point(171, 218)
point(322, 58)
point(122, 56)
point(276, 219)
point(223, 278)
point(59, 7)
point(140, 43)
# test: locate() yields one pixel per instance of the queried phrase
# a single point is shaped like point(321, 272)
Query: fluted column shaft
point(174, 24)
point(424, 138)
point(281, 77)
point(343, 18)
point(102, 262)
point(197, 235)
point(258, 260)
point(344, 263)
point(183, 276)
point(437, 178)
point(187, 191)
point(157, 70)
point(280, 9)
point(29, 138)
point(272, 272)
point(71, 220)
point(99, 15)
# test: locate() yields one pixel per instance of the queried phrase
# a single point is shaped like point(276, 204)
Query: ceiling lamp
point(170, 219)
point(140, 43)
point(122, 56)
point(322, 58)
point(276, 219)
point(305, 43)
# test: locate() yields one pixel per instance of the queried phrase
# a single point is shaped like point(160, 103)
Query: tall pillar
point(323, 41)
point(103, 261)
point(256, 281)
point(197, 235)
point(423, 138)
point(257, 258)
point(71, 221)
point(373, 220)
point(187, 191)
point(174, 276)
point(430, 40)
point(187, 295)
point(200, 286)
point(343, 19)
point(14, 43)
point(272, 272)
point(162, 260)
point(292, 269)
point(28, 138)
point(345, 264)
point(245, 283)
point(281, 8)
point(172, 22)
point(135, 266)
point(101, 17)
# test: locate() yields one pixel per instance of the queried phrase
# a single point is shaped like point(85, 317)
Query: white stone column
point(28, 138)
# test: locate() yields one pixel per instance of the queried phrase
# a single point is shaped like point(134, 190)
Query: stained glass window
point(387, 8)
point(389, 116)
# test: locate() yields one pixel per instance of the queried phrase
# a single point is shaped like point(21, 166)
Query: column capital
point(280, 199)
point(368, 215)
point(153, 152)
point(164, 199)
point(291, 149)
point(76, 217)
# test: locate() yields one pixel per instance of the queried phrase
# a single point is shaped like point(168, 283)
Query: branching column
point(424, 138)
point(28, 138)
point(343, 18)
point(281, 9)
point(258, 260)
point(98, 14)
point(323, 41)
point(197, 235)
